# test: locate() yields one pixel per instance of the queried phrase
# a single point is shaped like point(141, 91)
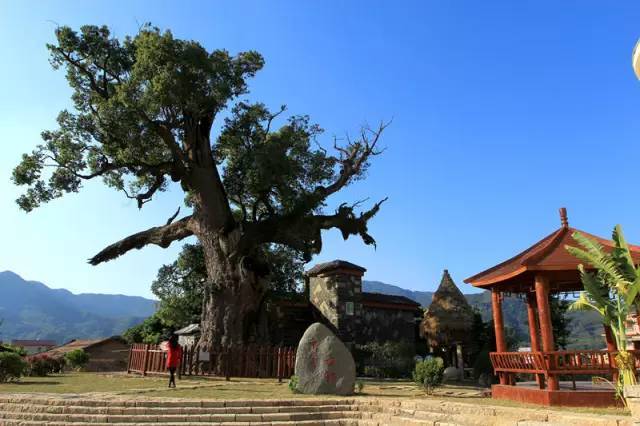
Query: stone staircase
point(81, 411)
point(28, 410)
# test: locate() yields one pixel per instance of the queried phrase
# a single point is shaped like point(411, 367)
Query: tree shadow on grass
point(34, 383)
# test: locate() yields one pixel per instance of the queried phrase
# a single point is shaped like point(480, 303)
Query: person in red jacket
point(174, 356)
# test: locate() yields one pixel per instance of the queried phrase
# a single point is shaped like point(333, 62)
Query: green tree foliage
point(179, 286)
point(611, 290)
point(12, 348)
point(76, 359)
point(388, 359)
point(560, 321)
point(152, 330)
point(144, 110)
point(12, 366)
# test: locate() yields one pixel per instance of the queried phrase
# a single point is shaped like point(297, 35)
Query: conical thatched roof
point(449, 318)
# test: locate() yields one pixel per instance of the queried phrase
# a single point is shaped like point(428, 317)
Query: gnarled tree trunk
point(233, 293)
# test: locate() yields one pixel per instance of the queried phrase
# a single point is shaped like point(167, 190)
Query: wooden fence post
point(145, 359)
point(280, 365)
point(129, 359)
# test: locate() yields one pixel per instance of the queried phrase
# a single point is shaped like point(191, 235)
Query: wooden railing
point(518, 362)
point(557, 362)
point(247, 361)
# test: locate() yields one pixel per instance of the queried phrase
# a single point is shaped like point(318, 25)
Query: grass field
point(188, 387)
point(213, 388)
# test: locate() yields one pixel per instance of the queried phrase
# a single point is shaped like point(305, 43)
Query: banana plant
point(611, 286)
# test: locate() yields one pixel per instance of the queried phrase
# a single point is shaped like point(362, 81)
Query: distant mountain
point(31, 310)
point(586, 328)
point(422, 297)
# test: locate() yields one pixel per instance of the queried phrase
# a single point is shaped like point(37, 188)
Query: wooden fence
point(247, 361)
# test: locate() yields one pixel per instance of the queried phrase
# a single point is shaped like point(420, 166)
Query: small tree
point(77, 359)
point(429, 373)
point(611, 291)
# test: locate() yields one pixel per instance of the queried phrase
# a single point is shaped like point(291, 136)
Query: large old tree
point(144, 111)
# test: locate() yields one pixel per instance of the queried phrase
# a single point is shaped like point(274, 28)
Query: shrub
point(358, 386)
point(293, 384)
point(482, 364)
point(15, 349)
point(41, 365)
point(373, 371)
point(12, 366)
point(428, 373)
point(76, 359)
point(387, 360)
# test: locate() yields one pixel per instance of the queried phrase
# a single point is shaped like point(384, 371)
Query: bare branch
point(172, 218)
point(352, 159)
point(146, 196)
point(161, 236)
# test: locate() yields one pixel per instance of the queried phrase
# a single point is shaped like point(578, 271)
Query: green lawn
point(215, 388)
point(85, 383)
point(187, 387)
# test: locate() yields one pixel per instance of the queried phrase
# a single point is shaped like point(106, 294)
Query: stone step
point(185, 418)
point(80, 409)
point(170, 402)
point(339, 422)
point(397, 421)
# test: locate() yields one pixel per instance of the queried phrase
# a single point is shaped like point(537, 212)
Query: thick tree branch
point(161, 236)
point(304, 233)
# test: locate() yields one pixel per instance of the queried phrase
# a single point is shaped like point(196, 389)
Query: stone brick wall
point(338, 297)
point(383, 325)
point(109, 356)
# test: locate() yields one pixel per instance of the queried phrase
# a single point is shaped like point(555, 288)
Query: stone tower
point(335, 289)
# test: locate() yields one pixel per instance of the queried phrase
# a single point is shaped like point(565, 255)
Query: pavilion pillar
point(611, 347)
point(533, 323)
point(544, 316)
point(498, 325)
point(533, 331)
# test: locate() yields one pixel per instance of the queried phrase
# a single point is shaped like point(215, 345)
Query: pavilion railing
point(557, 362)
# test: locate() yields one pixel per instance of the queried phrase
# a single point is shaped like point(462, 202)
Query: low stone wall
point(444, 412)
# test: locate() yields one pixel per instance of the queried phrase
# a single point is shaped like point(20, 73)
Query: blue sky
point(502, 112)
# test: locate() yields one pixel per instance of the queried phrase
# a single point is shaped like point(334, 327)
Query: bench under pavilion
point(547, 268)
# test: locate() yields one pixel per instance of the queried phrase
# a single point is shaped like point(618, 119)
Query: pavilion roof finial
point(564, 220)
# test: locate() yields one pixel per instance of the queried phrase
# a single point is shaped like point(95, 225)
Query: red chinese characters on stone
point(314, 353)
point(329, 376)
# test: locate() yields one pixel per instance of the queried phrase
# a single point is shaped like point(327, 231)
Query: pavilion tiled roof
point(548, 254)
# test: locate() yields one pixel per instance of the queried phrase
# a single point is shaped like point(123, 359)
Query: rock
point(451, 374)
point(484, 380)
point(324, 365)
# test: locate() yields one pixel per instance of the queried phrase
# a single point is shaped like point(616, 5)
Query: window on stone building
point(349, 308)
